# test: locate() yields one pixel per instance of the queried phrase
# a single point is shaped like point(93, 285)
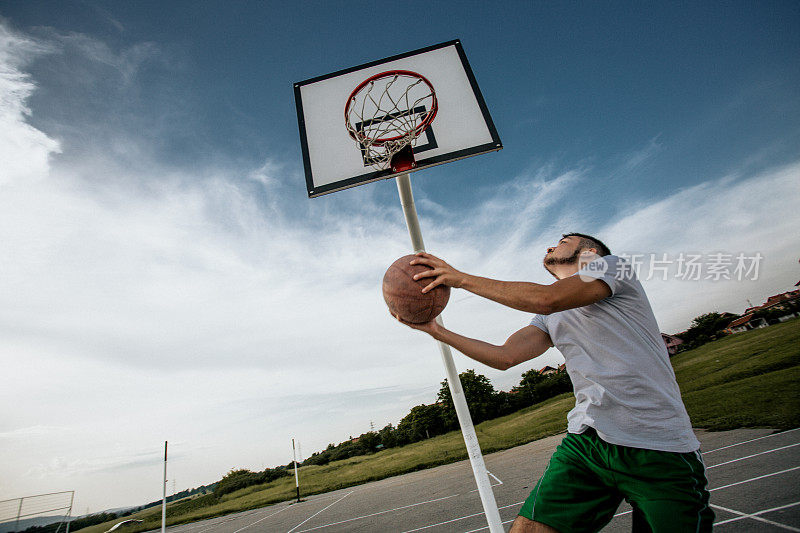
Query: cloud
point(32, 431)
point(749, 215)
point(120, 461)
point(634, 160)
point(24, 150)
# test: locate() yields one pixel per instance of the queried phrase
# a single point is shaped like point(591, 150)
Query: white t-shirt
point(624, 384)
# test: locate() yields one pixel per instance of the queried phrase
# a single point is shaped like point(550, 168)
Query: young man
point(629, 435)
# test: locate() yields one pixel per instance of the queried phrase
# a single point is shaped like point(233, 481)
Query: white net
point(388, 112)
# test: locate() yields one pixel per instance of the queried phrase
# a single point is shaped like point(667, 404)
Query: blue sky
point(159, 248)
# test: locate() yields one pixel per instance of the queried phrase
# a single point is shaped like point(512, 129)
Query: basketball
point(403, 294)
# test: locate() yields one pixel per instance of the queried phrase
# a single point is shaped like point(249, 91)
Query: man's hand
point(441, 272)
point(428, 327)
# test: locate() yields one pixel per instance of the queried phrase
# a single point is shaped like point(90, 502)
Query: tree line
point(429, 420)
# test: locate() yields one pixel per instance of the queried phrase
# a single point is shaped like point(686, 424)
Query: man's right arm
point(525, 344)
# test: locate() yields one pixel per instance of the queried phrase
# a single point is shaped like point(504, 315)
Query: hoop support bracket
point(403, 160)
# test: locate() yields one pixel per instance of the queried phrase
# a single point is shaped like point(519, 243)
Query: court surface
point(754, 478)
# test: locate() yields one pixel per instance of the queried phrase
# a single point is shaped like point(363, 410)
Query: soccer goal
point(18, 514)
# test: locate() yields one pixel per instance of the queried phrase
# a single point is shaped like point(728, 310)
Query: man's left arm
point(567, 293)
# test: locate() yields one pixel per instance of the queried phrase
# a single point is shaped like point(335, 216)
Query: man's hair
point(587, 241)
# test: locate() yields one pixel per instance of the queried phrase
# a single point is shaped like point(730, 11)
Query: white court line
point(315, 514)
point(751, 440)
point(487, 527)
point(497, 478)
point(499, 482)
point(731, 485)
point(754, 455)
point(222, 520)
point(460, 518)
point(192, 526)
point(751, 515)
point(229, 519)
point(505, 522)
point(490, 483)
point(754, 516)
point(375, 514)
point(260, 519)
point(754, 478)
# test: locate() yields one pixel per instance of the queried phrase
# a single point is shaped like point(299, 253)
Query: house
point(777, 302)
point(745, 323)
point(671, 342)
point(781, 301)
point(546, 371)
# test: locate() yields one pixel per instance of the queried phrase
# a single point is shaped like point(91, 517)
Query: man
point(629, 435)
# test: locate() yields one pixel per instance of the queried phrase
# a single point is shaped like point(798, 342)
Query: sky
point(164, 277)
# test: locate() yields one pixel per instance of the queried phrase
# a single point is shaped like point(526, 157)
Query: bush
point(242, 478)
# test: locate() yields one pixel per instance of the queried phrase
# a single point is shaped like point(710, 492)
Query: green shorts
point(587, 479)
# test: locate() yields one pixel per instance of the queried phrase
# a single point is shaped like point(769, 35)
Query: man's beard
point(571, 260)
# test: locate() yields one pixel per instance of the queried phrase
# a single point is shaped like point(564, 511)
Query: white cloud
point(753, 214)
point(24, 150)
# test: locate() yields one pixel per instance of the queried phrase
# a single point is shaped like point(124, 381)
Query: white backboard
point(334, 161)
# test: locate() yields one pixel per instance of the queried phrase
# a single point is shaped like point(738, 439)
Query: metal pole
point(456, 390)
point(19, 512)
point(296, 478)
point(164, 496)
point(69, 512)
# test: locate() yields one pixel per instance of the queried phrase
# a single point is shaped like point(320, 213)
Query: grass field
point(746, 380)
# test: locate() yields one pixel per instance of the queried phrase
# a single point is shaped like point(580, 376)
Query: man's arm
point(566, 293)
point(527, 343)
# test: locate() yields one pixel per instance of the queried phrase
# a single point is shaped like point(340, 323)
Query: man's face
point(566, 252)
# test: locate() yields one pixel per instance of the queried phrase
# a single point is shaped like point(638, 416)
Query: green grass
point(746, 380)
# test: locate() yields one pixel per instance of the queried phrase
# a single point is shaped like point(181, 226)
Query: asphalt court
point(754, 479)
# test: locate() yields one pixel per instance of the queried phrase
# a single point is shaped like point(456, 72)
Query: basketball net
point(386, 113)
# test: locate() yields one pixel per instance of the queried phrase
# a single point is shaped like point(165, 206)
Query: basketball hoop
point(386, 113)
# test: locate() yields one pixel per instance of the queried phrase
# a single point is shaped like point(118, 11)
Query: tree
point(422, 422)
point(480, 394)
point(535, 388)
point(388, 436)
point(706, 328)
point(369, 441)
point(527, 387)
point(234, 480)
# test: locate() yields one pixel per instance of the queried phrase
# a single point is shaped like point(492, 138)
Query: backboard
point(462, 127)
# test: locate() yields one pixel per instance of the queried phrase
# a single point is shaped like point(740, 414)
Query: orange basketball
point(404, 295)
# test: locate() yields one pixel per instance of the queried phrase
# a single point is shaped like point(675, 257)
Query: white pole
point(456, 390)
point(164, 497)
point(296, 478)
